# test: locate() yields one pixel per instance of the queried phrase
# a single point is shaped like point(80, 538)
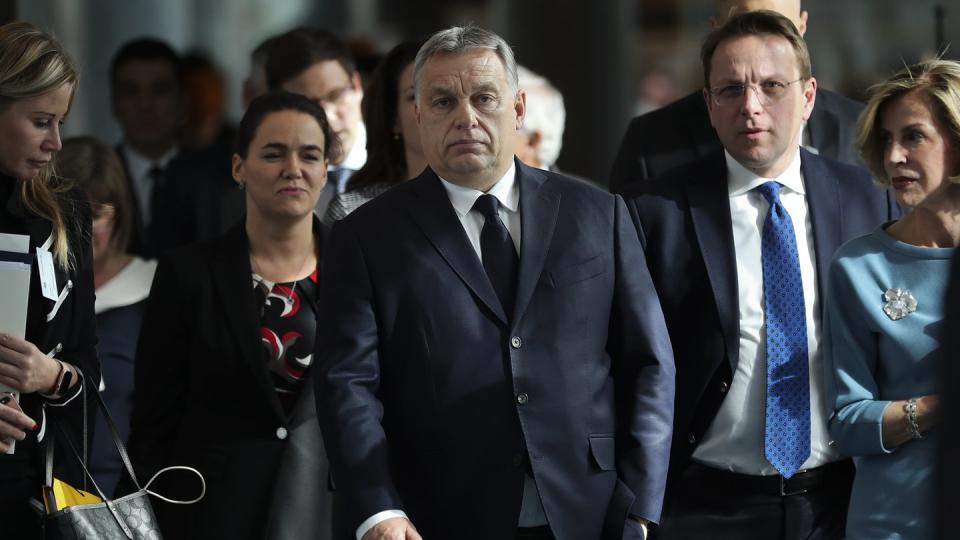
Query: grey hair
point(460, 39)
point(544, 113)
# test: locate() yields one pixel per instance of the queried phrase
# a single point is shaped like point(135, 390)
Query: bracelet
point(910, 409)
point(59, 381)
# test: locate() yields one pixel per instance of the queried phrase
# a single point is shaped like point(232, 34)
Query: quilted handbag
point(127, 518)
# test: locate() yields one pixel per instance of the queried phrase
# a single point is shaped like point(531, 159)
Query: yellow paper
point(63, 495)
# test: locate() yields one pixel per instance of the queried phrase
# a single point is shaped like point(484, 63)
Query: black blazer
point(684, 224)
point(203, 393)
point(65, 330)
point(433, 399)
point(679, 133)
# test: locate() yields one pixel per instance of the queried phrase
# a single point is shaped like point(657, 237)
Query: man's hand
point(397, 528)
point(24, 367)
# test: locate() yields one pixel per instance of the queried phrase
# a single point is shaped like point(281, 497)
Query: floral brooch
point(898, 303)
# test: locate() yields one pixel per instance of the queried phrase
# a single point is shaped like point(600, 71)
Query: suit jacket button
point(522, 398)
point(691, 438)
point(281, 433)
point(516, 342)
point(724, 387)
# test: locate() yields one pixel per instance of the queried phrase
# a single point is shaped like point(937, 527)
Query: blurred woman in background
point(394, 153)
point(122, 284)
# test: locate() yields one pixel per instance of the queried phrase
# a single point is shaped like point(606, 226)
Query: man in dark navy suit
point(147, 97)
point(738, 243)
point(679, 133)
point(493, 362)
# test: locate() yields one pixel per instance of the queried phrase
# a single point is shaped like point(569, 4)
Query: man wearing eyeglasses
point(317, 64)
point(737, 244)
point(679, 133)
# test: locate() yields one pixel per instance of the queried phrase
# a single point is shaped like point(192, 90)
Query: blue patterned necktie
point(787, 422)
point(497, 251)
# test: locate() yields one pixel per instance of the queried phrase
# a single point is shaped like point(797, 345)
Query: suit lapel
point(823, 128)
point(230, 262)
point(431, 210)
point(824, 206)
point(539, 205)
point(710, 213)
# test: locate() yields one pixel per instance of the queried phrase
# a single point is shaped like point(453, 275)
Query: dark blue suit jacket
point(684, 224)
point(432, 401)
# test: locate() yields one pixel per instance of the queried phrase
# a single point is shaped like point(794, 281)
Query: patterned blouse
point(288, 326)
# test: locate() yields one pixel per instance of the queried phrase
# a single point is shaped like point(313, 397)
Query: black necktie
point(497, 252)
point(155, 174)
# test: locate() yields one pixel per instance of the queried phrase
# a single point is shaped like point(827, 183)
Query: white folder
point(14, 291)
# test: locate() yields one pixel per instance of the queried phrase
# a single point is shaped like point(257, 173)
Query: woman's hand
point(13, 423)
point(23, 367)
point(896, 429)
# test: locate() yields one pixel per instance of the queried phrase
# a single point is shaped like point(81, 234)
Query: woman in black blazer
point(40, 362)
point(227, 339)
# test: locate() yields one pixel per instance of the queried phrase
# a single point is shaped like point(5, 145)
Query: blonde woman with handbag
point(44, 224)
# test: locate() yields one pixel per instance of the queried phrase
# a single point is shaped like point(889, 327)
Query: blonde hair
point(33, 63)
point(938, 79)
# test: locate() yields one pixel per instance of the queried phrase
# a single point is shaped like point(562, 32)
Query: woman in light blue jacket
point(885, 303)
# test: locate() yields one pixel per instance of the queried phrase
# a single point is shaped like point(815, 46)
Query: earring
point(241, 184)
point(396, 136)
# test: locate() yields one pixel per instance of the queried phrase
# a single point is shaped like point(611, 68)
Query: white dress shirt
point(735, 440)
point(507, 192)
point(139, 166)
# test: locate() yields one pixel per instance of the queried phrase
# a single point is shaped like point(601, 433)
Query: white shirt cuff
point(375, 519)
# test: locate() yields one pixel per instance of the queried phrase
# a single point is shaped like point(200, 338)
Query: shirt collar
point(358, 153)
point(139, 165)
point(741, 180)
point(505, 190)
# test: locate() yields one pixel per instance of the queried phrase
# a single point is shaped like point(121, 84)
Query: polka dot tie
point(787, 420)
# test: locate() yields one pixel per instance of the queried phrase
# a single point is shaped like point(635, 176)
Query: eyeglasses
point(767, 92)
point(336, 97)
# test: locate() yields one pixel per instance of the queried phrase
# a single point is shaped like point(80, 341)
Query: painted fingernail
point(4, 400)
point(35, 427)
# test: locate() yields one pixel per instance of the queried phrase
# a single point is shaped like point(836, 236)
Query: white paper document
point(14, 291)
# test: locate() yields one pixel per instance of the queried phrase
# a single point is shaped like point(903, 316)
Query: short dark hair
point(95, 168)
point(146, 49)
point(386, 157)
point(288, 55)
point(272, 102)
point(756, 23)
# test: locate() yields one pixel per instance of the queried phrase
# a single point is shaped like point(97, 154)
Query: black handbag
point(127, 518)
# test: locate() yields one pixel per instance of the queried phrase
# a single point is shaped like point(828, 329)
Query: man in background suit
point(148, 103)
point(315, 63)
point(492, 358)
point(738, 244)
point(661, 140)
point(200, 200)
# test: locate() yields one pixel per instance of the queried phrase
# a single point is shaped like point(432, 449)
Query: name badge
point(48, 278)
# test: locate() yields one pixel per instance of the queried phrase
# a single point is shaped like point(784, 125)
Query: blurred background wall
point(610, 58)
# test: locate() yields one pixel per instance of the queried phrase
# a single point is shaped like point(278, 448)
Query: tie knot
point(488, 206)
point(770, 191)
